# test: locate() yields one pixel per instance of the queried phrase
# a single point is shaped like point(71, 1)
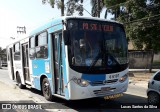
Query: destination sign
point(96, 26)
point(90, 25)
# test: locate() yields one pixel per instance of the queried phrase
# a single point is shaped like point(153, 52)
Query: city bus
point(72, 58)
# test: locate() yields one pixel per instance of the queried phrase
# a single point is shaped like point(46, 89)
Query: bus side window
point(32, 47)
point(17, 51)
point(41, 45)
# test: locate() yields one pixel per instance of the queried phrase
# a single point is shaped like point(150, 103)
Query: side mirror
point(66, 37)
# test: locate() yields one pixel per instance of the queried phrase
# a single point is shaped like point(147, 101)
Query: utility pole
point(98, 8)
point(62, 8)
point(21, 29)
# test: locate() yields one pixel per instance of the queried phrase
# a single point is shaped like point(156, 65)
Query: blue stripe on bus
point(94, 77)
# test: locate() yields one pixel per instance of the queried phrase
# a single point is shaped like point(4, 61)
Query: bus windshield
point(97, 45)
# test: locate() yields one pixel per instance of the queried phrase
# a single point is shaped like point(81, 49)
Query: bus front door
point(11, 63)
point(58, 66)
point(25, 62)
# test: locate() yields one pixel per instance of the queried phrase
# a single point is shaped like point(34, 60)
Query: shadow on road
point(99, 104)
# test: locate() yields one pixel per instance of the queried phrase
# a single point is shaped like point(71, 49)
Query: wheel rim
point(46, 89)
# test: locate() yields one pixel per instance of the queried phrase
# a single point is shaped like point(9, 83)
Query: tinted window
point(32, 48)
point(42, 52)
point(32, 42)
point(157, 76)
point(42, 39)
point(41, 46)
point(96, 46)
point(32, 53)
point(17, 51)
point(17, 48)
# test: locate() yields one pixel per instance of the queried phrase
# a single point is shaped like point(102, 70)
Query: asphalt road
point(134, 96)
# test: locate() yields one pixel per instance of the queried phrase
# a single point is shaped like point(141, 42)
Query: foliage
point(59, 3)
point(141, 20)
point(94, 11)
point(71, 6)
point(113, 6)
point(51, 2)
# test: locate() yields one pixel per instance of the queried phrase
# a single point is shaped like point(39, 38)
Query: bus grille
point(99, 83)
point(101, 92)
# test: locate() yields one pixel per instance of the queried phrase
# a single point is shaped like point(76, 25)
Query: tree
point(113, 7)
point(71, 6)
point(141, 20)
point(59, 3)
point(97, 6)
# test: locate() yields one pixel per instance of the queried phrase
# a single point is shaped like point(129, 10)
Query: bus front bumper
point(79, 92)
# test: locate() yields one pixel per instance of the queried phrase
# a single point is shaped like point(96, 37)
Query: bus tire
point(20, 85)
point(46, 89)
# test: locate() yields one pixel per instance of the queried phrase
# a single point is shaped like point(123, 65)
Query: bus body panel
point(95, 91)
point(39, 68)
point(18, 70)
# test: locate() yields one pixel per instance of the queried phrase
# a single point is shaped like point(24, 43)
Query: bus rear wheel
point(46, 89)
point(20, 85)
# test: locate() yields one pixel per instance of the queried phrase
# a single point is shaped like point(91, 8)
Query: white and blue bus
point(72, 58)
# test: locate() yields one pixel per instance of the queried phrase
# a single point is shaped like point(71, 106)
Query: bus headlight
point(123, 78)
point(81, 82)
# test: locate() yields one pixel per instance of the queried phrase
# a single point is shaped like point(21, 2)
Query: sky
point(28, 13)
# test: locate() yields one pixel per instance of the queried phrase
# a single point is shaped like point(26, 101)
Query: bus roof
point(59, 20)
point(90, 18)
